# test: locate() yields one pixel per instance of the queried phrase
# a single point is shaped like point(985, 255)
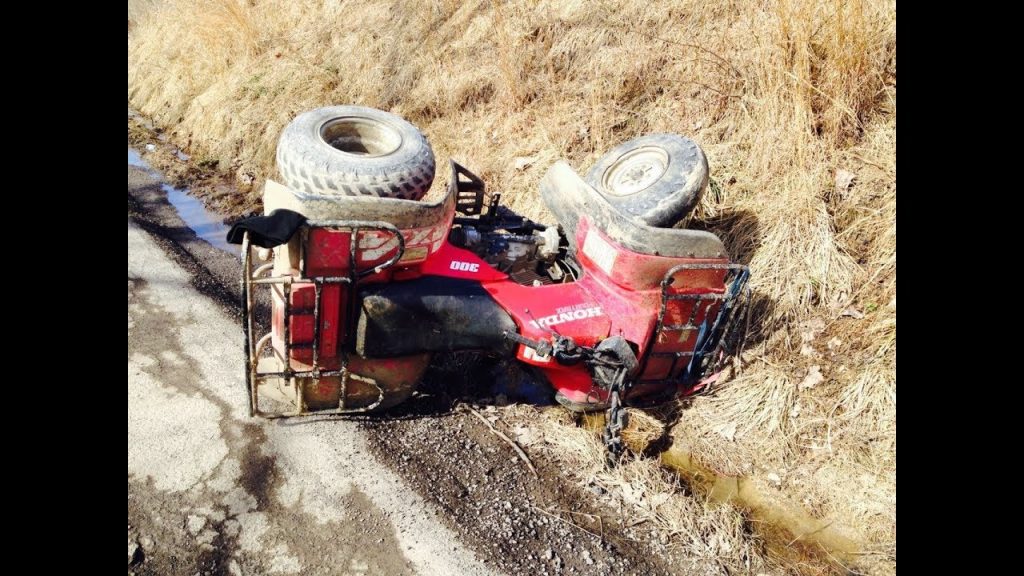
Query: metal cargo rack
point(711, 337)
point(254, 348)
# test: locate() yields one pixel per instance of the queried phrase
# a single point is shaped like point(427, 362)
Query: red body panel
point(618, 294)
point(327, 253)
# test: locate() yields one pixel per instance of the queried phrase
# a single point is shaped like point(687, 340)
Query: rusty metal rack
point(711, 336)
point(254, 347)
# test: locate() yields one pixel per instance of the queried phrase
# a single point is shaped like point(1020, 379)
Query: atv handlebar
point(543, 347)
point(563, 348)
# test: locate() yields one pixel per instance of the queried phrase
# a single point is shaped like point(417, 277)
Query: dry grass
point(793, 100)
point(699, 538)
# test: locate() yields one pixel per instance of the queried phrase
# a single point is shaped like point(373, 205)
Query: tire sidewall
point(671, 197)
point(311, 166)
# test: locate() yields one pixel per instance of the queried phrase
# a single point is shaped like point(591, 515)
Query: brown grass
point(790, 99)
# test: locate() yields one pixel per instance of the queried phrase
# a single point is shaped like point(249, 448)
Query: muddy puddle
point(788, 530)
point(207, 225)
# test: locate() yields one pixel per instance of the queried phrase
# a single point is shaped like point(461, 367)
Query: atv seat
point(569, 198)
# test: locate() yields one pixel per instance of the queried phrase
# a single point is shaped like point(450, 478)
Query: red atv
point(611, 306)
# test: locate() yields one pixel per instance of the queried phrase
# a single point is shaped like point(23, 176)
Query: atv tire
point(355, 151)
point(656, 179)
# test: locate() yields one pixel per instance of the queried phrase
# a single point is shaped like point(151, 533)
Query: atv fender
point(570, 198)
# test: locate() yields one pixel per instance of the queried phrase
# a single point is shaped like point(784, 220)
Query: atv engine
point(530, 253)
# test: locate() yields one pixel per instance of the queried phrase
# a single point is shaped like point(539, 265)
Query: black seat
point(430, 314)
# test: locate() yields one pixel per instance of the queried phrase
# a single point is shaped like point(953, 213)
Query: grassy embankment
point(794, 102)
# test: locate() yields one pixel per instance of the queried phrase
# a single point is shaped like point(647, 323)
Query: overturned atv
point(612, 306)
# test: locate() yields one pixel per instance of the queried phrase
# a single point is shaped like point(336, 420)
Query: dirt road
point(212, 491)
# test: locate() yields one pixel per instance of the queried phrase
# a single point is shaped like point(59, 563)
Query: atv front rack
point(711, 316)
point(255, 348)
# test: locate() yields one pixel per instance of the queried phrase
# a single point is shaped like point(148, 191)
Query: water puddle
point(135, 160)
point(207, 225)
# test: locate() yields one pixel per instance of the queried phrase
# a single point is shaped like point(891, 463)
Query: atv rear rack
point(254, 347)
point(711, 334)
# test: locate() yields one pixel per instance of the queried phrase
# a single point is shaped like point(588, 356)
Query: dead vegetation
point(794, 102)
